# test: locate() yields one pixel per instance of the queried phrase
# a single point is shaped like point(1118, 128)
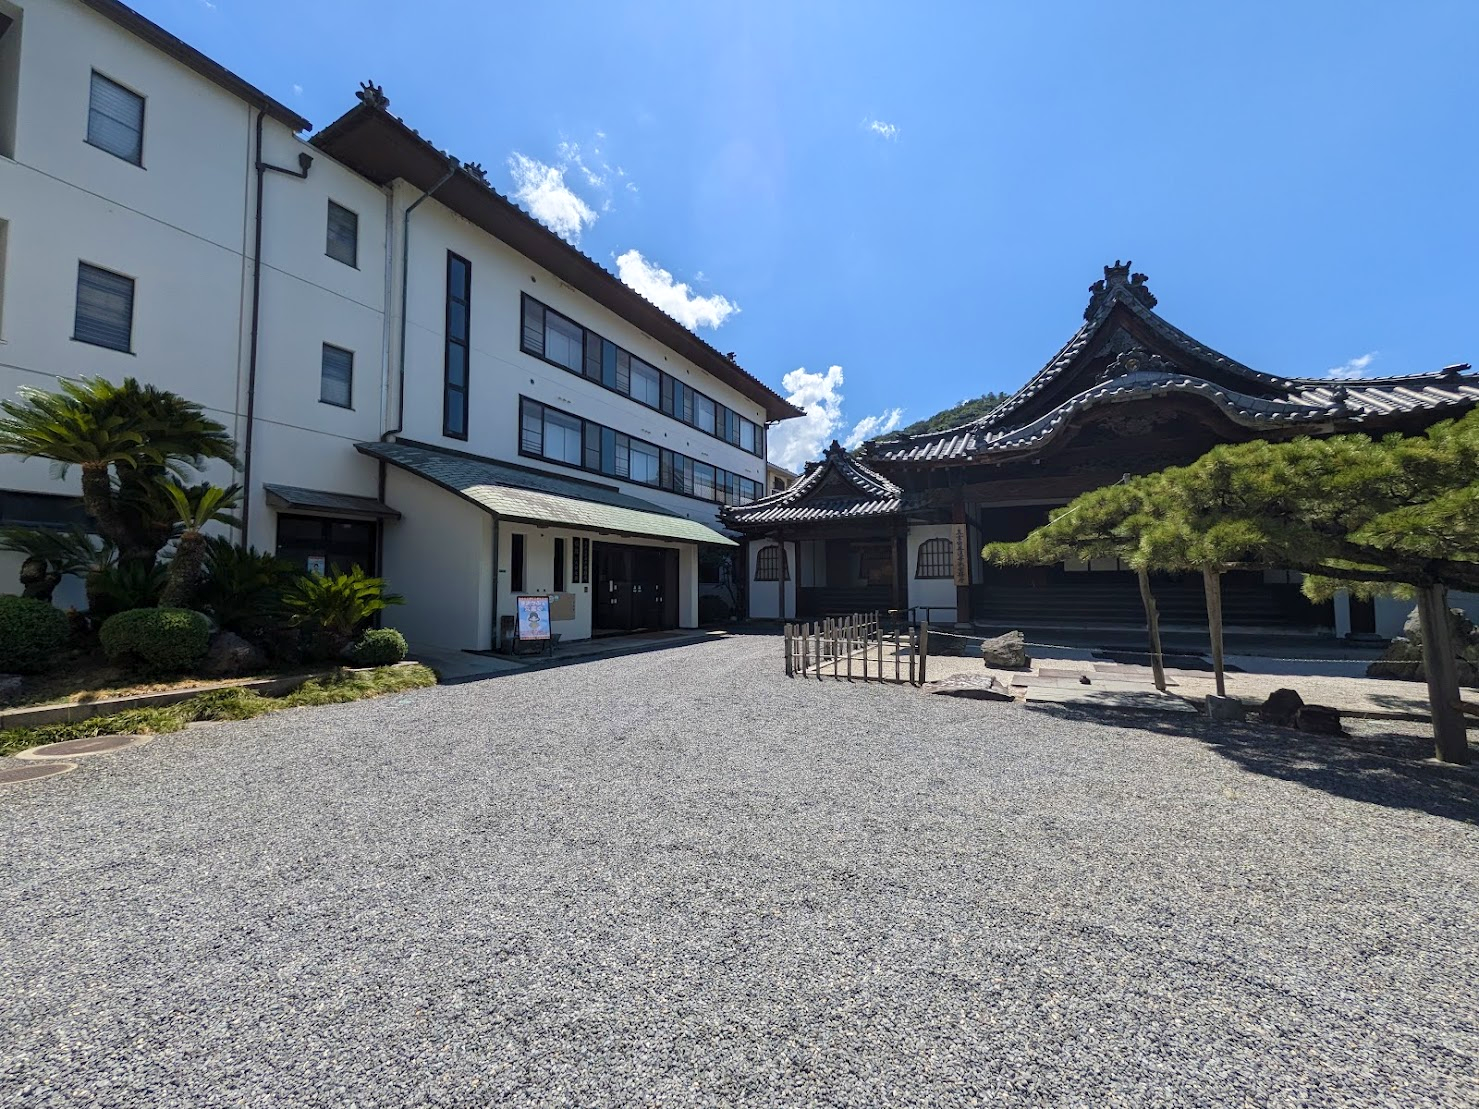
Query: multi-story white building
point(421, 378)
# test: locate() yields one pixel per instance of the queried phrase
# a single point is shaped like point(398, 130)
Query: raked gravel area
point(678, 878)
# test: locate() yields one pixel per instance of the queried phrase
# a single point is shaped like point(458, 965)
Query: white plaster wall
point(439, 556)
point(936, 593)
point(500, 372)
point(764, 595)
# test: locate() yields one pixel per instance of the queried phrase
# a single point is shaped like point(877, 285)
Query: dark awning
point(297, 499)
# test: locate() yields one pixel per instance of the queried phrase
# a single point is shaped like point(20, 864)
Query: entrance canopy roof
point(523, 495)
point(297, 499)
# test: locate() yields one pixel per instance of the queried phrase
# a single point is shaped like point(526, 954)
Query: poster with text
point(533, 617)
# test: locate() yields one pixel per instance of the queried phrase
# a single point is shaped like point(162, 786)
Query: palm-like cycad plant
point(197, 507)
point(338, 605)
point(53, 553)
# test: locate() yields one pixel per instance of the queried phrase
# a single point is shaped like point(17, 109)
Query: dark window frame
point(322, 376)
point(353, 260)
point(143, 100)
point(666, 382)
point(559, 564)
point(770, 565)
point(18, 509)
point(935, 559)
point(675, 471)
point(78, 334)
point(516, 553)
point(449, 389)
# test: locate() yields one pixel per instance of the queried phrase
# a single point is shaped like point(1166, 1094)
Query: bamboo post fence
point(852, 647)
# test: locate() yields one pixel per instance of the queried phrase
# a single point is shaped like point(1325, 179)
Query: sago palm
point(197, 507)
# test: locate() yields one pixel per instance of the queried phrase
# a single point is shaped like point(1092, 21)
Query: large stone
point(1225, 709)
point(975, 687)
point(1402, 660)
point(1319, 720)
point(10, 687)
point(1006, 652)
point(230, 656)
point(1281, 708)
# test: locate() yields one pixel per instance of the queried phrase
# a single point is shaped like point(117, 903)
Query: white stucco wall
point(765, 595)
point(936, 593)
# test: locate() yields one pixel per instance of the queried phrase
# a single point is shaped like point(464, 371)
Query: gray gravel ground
point(679, 879)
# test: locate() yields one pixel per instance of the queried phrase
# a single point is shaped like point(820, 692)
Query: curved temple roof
point(838, 488)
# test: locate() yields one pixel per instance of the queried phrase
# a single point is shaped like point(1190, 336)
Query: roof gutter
point(400, 408)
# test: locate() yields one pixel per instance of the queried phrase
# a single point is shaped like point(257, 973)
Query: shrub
point(31, 631)
point(123, 587)
point(336, 606)
point(243, 588)
point(378, 647)
point(156, 640)
point(714, 610)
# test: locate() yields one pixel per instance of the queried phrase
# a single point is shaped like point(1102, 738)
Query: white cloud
point(297, 90)
point(793, 443)
point(1353, 369)
point(883, 130)
point(542, 190)
point(673, 297)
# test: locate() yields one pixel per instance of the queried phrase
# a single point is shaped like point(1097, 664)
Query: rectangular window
point(343, 235)
point(642, 462)
point(105, 308)
point(42, 510)
point(747, 436)
point(454, 387)
point(4, 239)
point(646, 384)
point(561, 437)
point(703, 411)
point(336, 377)
point(703, 481)
point(516, 562)
point(532, 340)
point(559, 564)
point(564, 342)
point(531, 427)
point(115, 119)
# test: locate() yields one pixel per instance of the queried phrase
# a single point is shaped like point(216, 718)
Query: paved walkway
point(678, 878)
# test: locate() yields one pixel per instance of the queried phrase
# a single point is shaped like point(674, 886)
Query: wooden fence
point(854, 647)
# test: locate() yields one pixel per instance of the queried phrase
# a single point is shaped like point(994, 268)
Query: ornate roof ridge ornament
point(372, 95)
point(1118, 276)
point(1134, 361)
point(475, 169)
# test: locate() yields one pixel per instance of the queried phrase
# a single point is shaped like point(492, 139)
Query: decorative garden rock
point(1403, 658)
point(230, 656)
point(10, 685)
point(974, 687)
point(1319, 720)
point(1006, 652)
point(1281, 708)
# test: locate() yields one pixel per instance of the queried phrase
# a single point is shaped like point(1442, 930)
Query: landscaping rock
point(1226, 708)
point(974, 687)
point(1319, 720)
point(10, 685)
point(1006, 652)
point(230, 656)
point(1403, 658)
point(1281, 708)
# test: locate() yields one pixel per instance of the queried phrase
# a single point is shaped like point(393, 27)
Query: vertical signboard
point(960, 554)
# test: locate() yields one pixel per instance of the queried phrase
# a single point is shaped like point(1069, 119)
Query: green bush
point(332, 608)
point(122, 587)
point(156, 640)
point(378, 647)
point(31, 631)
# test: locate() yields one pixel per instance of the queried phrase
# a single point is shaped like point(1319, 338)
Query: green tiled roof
point(535, 497)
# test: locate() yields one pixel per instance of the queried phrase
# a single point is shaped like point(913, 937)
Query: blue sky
point(921, 194)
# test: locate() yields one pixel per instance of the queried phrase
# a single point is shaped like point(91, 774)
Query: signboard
point(315, 564)
point(960, 554)
point(533, 615)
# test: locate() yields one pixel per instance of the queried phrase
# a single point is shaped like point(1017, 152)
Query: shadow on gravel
point(1379, 767)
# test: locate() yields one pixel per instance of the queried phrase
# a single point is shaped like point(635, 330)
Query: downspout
point(400, 413)
point(304, 161)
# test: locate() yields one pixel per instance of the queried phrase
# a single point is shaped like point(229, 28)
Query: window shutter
point(105, 308)
point(336, 377)
point(115, 119)
point(343, 235)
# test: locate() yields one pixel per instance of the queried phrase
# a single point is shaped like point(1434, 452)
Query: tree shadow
point(1380, 764)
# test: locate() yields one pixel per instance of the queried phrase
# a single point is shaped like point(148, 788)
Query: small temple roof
point(838, 488)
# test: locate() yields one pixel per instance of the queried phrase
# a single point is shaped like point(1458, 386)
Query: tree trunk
point(1153, 626)
point(1450, 731)
point(185, 571)
point(101, 505)
point(1212, 583)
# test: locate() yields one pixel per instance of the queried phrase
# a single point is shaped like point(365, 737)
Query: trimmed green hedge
point(31, 631)
point(378, 647)
point(156, 640)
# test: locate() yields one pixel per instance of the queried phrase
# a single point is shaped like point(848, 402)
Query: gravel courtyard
point(677, 878)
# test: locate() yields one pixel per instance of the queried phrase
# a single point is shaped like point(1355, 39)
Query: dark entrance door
point(636, 587)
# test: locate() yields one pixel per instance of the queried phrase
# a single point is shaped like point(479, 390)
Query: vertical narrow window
point(532, 341)
point(454, 388)
point(105, 308)
point(342, 243)
point(516, 562)
point(115, 119)
point(703, 409)
point(559, 564)
point(4, 240)
point(336, 377)
point(10, 76)
point(747, 436)
point(564, 344)
point(531, 427)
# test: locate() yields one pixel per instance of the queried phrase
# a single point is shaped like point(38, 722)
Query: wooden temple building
point(900, 523)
